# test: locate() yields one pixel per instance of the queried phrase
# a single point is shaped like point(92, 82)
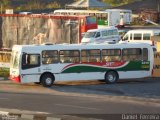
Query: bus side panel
point(133, 74)
point(26, 78)
point(80, 76)
point(30, 75)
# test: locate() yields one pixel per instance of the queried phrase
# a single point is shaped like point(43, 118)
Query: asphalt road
point(76, 105)
point(83, 98)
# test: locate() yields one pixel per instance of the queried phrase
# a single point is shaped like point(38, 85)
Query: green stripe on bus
point(132, 66)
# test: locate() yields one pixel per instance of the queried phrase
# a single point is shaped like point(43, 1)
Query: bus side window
point(109, 55)
point(69, 56)
point(132, 54)
point(145, 54)
point(90, 55)
point(50, 56)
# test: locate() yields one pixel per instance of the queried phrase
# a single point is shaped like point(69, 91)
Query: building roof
point(87, 4)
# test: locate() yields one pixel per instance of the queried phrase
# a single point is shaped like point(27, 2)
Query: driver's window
point(30, 61)
point(98, 34)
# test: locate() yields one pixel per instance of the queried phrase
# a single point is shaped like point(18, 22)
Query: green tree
point(118, 2)
point(4, 4)
point(34, 4)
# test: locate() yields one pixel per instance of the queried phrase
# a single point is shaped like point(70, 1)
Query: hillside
point(141, 5)
point(34, 5)
point(48, 5)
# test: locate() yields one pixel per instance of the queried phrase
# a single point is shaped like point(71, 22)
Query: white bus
point(109, 17)
point(70, 62)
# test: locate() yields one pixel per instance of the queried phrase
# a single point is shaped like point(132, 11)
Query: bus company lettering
point(114, 64)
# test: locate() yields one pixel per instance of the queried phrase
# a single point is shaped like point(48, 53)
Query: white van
point(141, 35)
point(106, 34)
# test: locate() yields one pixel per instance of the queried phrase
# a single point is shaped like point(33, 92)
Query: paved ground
point(141, 91)
point(140, 88)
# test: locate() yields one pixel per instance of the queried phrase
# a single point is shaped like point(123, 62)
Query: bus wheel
point(111, 77)
point(47, 80)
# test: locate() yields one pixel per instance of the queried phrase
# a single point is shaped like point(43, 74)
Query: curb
point(13, 116)
point(20, 116)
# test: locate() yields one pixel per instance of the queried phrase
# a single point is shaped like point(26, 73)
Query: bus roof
point(93, 11)
point(37, 48)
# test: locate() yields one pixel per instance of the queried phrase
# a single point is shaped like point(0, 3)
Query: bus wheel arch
point(111, 76)
point(47, 79)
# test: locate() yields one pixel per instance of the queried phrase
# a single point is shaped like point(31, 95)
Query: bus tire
point(111, 77)
point(47, 80)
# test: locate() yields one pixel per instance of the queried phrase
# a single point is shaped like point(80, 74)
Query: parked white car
point(106, 34)
point(141, 35)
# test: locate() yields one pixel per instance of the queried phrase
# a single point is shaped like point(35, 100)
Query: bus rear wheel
point(47, 80)
point(111, 77)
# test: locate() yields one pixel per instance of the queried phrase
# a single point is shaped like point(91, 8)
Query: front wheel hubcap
point(48, 81)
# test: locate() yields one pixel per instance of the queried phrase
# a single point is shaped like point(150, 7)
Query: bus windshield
point(15, 59)
point(89, 35)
